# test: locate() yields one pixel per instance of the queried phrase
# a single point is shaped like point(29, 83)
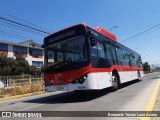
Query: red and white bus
point(83, 58)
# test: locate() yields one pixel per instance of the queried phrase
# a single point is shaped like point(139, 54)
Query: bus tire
point(139, 76)
point(115, 82)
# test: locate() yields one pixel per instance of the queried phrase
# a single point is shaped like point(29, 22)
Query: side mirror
point(92, 41)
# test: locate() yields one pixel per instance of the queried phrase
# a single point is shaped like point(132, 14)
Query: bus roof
point(105, 33)
point(98, 29)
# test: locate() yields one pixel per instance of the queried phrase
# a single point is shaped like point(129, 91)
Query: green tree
point(22, 65)
point(6, 65)
point(18, 66)
point(146, 67)
point(5, 71)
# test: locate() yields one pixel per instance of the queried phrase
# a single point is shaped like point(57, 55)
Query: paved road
point(132, 96)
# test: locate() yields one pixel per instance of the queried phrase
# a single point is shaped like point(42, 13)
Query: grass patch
point(22, 89)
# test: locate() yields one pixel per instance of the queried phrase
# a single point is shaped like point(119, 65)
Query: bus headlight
point(80, 80)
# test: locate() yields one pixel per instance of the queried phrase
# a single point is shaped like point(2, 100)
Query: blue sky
point(131, 17)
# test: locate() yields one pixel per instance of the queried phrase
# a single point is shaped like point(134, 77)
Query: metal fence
point(16, 85)
point(8, 81)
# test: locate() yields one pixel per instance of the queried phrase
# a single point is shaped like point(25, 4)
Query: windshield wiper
point(53, 64)
point(59, 64)
point(65, 65)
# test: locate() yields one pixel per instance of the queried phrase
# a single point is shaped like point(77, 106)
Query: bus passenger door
point(99, 62)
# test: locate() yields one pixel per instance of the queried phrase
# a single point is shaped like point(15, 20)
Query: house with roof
point(11, 49)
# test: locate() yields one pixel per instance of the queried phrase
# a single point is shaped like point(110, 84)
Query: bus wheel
point(115, 83)
point(139, 76)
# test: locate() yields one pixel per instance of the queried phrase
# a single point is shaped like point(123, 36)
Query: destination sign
point(61, 36)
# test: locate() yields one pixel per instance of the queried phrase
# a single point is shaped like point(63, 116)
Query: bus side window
point(94, 51)
point(59, 56)
point(101, 53)
point(98, 58)
point(132, 59)
point(108, 53)
point(119, 52)
point(126, 58)
point(94, 55)
point(113, 52)
point(139, 61)
point(51, 56)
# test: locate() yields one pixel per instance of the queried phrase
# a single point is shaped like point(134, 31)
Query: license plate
point(60, 88)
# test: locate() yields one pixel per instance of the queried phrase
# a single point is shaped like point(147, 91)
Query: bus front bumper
point(69, 87)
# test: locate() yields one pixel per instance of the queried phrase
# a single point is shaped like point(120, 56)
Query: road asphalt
point(132, 96)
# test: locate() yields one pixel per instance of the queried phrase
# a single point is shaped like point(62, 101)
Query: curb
point(151, 101)
point(20, 96)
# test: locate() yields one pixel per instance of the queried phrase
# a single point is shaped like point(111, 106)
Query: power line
point(16, 34)
point(26, 22)
point(17, 23)
point(140, 33)
point(19, 28)
point(23, 28)
point(13, 34)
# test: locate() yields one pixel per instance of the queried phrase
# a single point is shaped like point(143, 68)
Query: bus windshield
point(67, 54)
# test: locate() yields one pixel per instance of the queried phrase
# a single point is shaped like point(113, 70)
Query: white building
point(11, 49)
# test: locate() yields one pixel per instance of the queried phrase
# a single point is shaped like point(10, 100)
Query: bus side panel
point(89, 83)
point(127, 76)
point(104, 79)
point(94, 81)
point(142, 74)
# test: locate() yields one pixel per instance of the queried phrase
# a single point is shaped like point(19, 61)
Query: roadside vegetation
point(22, 89)
point(22, 78)
point(18, 66)
point(146, 67)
